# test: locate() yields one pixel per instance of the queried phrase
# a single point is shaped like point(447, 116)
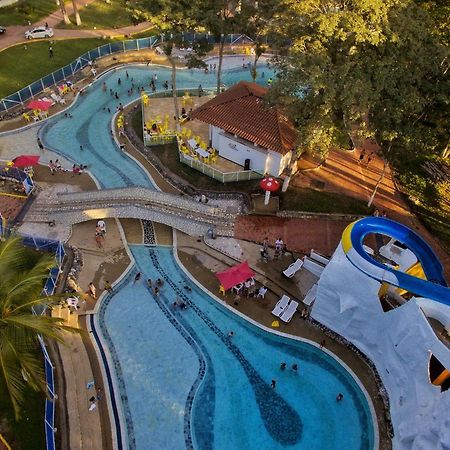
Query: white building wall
point(236, 150)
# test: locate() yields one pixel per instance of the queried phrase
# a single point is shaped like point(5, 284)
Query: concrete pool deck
point(200, 260)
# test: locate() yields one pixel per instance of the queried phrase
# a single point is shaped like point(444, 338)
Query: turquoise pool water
point(90, 125)
point(186, 384)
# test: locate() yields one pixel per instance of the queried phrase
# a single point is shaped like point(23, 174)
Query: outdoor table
point(201, 152)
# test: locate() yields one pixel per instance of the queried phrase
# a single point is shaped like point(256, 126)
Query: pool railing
point(212, 172)
point(59, 76)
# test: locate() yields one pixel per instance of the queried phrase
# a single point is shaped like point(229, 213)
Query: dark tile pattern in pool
point(281, 421)
point(149, 232)
point(312, 356)
point(83, 139)
point(190, 337)
point(116, 361)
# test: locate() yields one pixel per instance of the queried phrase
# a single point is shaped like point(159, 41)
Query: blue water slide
point(434, 287)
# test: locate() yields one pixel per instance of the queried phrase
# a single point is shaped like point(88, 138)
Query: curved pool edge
point(115, 410)
point(284, 335)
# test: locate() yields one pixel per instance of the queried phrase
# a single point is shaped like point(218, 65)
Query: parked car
point(2, 30)
point(39, 32)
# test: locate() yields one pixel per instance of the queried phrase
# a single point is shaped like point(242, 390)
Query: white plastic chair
point(293, 268)
point(310, 295)
point(289, 312)
point(281, 305)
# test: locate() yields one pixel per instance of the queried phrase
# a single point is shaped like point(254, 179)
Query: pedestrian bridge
point(177, 211)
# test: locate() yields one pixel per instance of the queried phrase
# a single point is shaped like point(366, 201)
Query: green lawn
point(22, 64)
point(26, 10)
point(101, 15)
point(312, 200)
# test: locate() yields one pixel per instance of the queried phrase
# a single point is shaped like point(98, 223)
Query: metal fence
point(67, 72)
point(223, 177)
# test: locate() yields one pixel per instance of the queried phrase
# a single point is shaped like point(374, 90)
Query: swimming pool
point(90, 125)
point(184, 383)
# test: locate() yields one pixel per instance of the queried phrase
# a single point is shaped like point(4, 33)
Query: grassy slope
point(26, 10)
point(20, 65)
point(101, 15)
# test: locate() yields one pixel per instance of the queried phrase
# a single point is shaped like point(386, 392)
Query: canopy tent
point(26, 160)
point(235, 275)
point(39, 104)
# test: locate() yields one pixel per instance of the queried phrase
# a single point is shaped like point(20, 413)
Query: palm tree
point(75, 11)
point(21, 282)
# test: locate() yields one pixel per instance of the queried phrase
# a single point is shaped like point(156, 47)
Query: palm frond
point(12, 255)
point(10, 371)
point(50, 327)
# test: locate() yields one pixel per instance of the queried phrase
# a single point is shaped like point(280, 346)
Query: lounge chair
point(289, 312)
point(310, 295)
point(159, 51)
point(313, 266)
point(57, 98)
point(281, 305)
point(319, 258)
point(293, 268)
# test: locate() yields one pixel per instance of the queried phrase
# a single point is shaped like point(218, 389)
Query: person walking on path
point(40, 144)
point(50, 51)
point(361, 157)
point(369, 158)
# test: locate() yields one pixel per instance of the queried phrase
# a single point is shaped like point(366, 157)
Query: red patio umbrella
point(26, 160)
point(269, 184)
point(39, 104)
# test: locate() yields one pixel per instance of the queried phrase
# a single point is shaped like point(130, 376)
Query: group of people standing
point(280, 249)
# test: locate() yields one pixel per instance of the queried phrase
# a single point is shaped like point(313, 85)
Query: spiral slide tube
point(434, 287)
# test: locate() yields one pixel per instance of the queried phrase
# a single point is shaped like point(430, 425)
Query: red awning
point(26, 160)
point(39, 104)
point(235, 275)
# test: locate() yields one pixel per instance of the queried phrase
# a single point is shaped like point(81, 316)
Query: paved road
point(15, 33)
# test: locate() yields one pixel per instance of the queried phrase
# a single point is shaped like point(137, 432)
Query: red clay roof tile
point(240, 110)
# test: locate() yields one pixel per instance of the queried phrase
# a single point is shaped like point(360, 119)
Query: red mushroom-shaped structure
point(269, 185)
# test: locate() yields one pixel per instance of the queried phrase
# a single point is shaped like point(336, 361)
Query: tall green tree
point(171, 17)
point(255, 21)
point(20, 290)
point(221, 18)
point(76, 13)
point(366, 65)
point(62, 7)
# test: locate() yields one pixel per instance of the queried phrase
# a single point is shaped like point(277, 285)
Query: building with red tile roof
point(242, 127)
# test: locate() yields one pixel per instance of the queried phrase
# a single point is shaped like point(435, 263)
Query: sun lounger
point(319, 258)
point(313, 266)
point(289, 312)
point(159, 51)
point(293, 268)
point(310, 295)
point(281, 305)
